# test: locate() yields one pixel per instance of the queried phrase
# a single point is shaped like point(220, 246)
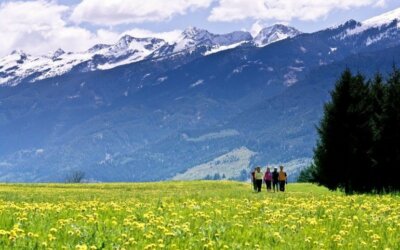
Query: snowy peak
point(127, 44)
point(389, 19)
point(385, 18)
point(124, 41)
point(18, 55)
point(12, 62)
point(274, 33)
point(195, 33)
point(57, 54)
point(193, 38)
point(200, 35)
point(128, 41)
point(127, 50)
point(384, 27)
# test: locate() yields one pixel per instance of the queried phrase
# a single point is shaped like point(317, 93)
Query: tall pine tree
point(389, 139)
point(377, 151)
point(361, 136)
point(341, 159)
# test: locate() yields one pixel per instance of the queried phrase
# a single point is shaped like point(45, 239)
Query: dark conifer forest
point(358, 149)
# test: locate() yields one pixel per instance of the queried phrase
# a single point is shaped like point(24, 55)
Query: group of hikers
point(276, 179)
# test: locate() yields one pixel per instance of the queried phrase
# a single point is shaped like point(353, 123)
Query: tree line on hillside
point(358, 149)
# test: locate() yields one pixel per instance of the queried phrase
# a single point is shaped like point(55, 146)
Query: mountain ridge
point(126, 50)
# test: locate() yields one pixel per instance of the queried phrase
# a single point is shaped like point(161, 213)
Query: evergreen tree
point(359, 145)
point(361, 135)
point(341, 159)
point(307, 174)
point(389, 139)
point(377, 151)
point(208, 177)
point(217, 176)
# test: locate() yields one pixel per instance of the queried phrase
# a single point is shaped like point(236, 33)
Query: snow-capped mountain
point(274, 33)
point(19, 65)
point(127, 50)
point(373, 30)
point(383, 19)
point(193, 37)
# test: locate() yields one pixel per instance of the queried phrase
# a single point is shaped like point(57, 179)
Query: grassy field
point(193, 215)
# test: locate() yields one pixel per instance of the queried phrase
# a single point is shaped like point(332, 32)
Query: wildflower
point(51, 237)
point(81, 247)
point(375, 237)
point(150, 246)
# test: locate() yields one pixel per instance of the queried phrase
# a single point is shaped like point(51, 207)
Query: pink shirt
point(268, 176)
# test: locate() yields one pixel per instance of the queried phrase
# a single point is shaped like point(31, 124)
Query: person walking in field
point(275, 177)
point(268, 179)
point(253, 179)
point(282, 179)
point(258, 175)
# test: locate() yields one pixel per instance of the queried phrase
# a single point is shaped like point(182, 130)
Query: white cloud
point(256, 28)
point(114, 12)
point(21, 25)
point(39, 27)
point(283, 10)
point(381, 3)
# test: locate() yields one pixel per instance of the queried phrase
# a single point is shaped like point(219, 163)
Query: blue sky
point(41, 26)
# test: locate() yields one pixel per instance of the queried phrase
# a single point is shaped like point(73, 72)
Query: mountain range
point(19, 65)
point(204, 106)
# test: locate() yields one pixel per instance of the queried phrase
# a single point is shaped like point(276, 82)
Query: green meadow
point(193, 215)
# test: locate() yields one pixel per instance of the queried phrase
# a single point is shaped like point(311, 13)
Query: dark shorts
point(259, 185)
point(268, 183)
point(282, 185)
